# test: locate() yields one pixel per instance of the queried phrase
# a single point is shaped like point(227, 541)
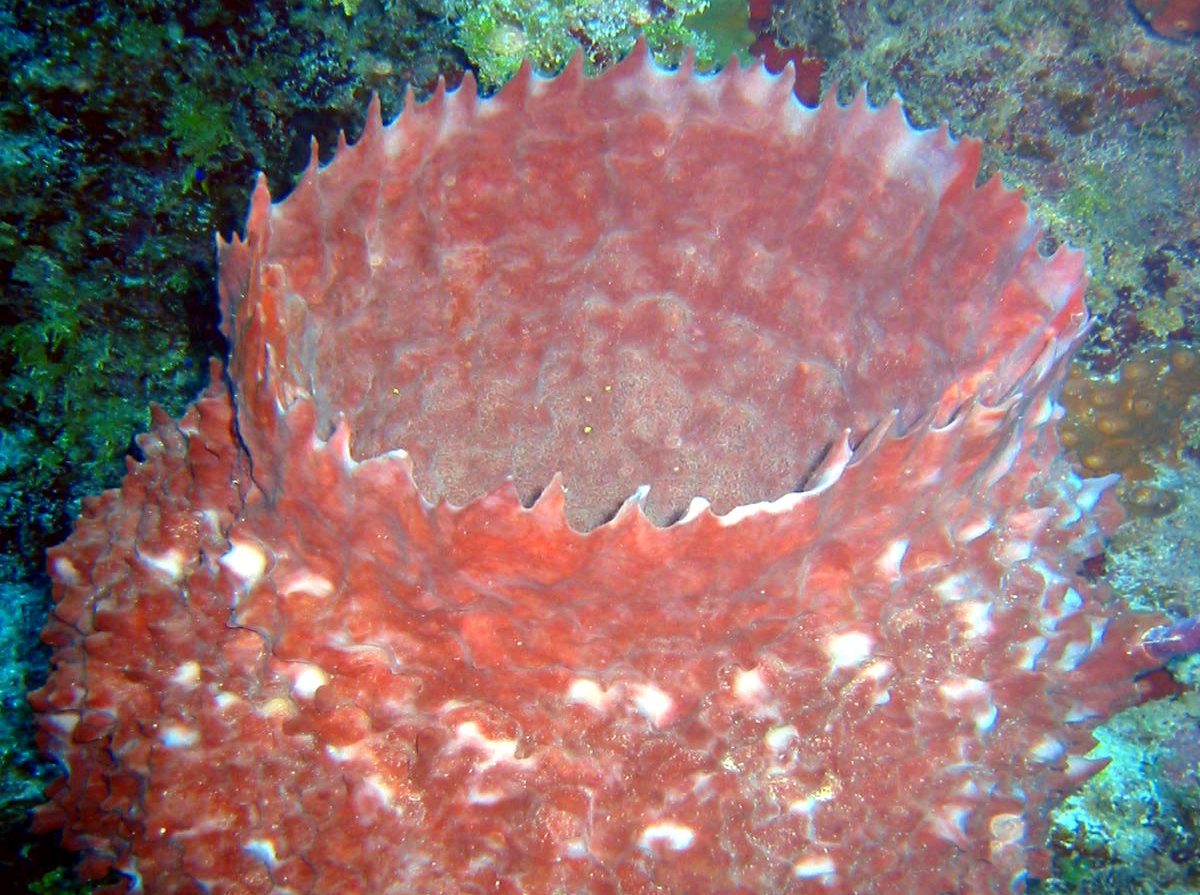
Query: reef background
point(130, 133)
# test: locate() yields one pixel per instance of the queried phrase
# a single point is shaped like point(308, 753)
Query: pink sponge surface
point(394, 611)
point(649, 279)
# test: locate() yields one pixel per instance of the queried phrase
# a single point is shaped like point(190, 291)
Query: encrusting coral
point(1124, 422)
point(395, 610)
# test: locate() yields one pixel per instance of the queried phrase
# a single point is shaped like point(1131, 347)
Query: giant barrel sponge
point(620, 485)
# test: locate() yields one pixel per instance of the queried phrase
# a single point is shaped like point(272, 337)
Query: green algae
point(497, 36)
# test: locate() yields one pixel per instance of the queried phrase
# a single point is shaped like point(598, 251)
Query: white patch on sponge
point(674, 836)
point(849, 649)
point(246, 561)
point(652, 704)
